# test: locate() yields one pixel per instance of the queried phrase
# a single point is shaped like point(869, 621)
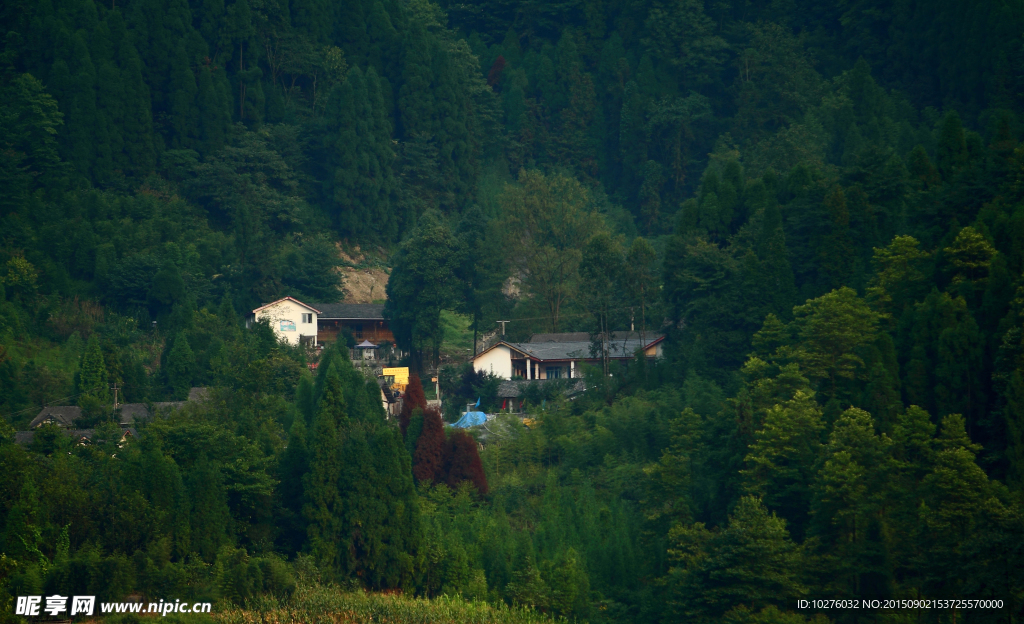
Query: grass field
point(327, 605)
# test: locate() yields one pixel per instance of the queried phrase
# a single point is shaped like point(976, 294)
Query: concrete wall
point(497, 361)
point(285, 314)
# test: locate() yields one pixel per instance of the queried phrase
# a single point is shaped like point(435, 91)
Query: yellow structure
point(397, 378)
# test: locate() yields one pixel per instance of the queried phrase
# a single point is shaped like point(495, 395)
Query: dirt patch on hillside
point(365, 276)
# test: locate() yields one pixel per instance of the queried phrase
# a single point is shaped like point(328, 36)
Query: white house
point(559, 356)
point(292, 321)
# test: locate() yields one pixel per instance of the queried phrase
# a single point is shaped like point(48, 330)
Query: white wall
point(288, 310)
point(497, 361)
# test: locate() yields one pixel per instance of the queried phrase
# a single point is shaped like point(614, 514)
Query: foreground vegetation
point(316, 605)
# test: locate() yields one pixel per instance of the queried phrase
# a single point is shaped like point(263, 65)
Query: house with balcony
point(365, 321)
point(561, 356)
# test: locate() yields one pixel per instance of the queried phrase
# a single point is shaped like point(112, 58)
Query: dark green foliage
point(180, 367)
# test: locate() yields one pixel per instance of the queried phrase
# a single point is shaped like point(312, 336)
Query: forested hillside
point(820, 204)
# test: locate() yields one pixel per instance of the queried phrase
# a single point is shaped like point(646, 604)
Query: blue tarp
point(471, 419)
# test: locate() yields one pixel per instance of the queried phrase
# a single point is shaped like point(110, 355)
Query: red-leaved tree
point(413, 398)
point(463, 462)
point(428, 460)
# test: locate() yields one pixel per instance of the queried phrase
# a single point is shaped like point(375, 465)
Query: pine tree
point(752, 561)
point(428, 461)
point(837, 250)
point(292, 470)
point(781, 460)
point(360, 158)
point(92, 379)
point(775, 276)
point(181, 362)
point(182, 100)
point(211, 517)
point(952, 147)
point(850, 489)
point(323, 508)
point(413, 431)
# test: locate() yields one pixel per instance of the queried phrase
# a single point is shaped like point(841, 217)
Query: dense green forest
point(820, 204)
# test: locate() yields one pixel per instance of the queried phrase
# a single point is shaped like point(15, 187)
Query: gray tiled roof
point(61, 415)
point(617, 349)
point(512, 388)
point(131, 412)
point(354, 311)
point(585, 337)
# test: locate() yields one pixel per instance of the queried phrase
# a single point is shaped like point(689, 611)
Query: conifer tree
point(92, 380)
point(292, 470)
point(360, 157)
point(181, 362)
point(781, 460)
point(851, 486)
point(323, 508)
point(837, 251)
point(752, 561)
point(776, 274)
point(413, 431)
point(211, 520)
point(428, 462)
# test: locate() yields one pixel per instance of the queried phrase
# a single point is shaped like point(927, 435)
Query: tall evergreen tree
point(92, 378)
point(323, 508)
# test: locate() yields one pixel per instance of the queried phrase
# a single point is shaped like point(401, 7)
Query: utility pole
point(115, 388)
point(503, 326)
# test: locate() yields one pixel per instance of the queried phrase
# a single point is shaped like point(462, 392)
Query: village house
point(128, 415)
point(365, 321)
point(297, 322)
point(561, 356)
point(292, 321)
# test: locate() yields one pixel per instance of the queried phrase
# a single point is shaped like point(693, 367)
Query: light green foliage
point(831, 330)
point(548, 220)
point(969, 256)
point(92, 376)
point(781, 459)
point(898, 276)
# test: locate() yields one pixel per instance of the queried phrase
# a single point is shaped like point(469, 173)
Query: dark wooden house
point(365, 321)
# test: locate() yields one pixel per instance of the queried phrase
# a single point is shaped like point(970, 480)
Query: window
point(554, 372)
point(307, 318)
